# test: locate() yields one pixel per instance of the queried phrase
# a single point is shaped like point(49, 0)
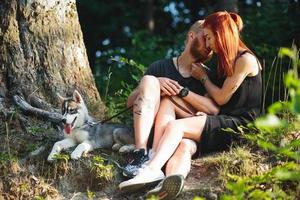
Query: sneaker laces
point(138, 157)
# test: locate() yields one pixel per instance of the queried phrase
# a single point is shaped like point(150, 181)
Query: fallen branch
point(27, 109)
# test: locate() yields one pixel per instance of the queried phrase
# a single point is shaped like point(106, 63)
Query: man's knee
point(149, 96)
point(149, 82)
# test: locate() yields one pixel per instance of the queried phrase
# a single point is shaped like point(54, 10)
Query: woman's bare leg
point(175, 131)
point(168, 111)
point(180, 162)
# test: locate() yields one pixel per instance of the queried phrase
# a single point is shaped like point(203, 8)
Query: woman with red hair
point(238, 94)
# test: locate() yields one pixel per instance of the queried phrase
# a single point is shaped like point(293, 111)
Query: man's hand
point(168, 86)
point(198, 71)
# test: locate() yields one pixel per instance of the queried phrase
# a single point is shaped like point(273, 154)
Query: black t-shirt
point(166, 68)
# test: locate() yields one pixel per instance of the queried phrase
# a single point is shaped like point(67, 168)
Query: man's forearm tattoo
point(143, 105)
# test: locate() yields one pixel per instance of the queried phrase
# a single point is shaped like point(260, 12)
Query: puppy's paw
point(126, 148)
point(51, 157)
point(116, 147)
point(75, 155)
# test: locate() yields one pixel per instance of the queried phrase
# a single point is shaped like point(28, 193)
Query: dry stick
point(75, 194)
point(7, 138)
point(274, 79)
point(286, 91)
point(33, 92)
point(268, 80)
point(297, 62)
point(108, 82)
point(263, 87)
point(280, 79)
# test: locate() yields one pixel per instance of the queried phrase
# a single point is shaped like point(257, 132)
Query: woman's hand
point(169, 87)
point(198, 71)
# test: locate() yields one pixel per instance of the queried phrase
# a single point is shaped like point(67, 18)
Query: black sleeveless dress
point(243, 107)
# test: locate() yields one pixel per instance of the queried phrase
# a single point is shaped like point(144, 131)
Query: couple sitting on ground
point(188, 121)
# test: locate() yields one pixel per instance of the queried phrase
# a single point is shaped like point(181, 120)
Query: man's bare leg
point(177, 169)
point(145, 108)
point(145, 100)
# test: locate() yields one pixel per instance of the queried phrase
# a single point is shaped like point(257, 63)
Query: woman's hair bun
point(237, 19)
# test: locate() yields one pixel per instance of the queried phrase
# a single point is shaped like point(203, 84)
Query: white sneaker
point(151, 154)
point(168, 189)
point(145, 177)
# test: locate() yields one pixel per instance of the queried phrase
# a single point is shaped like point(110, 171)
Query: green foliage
point(291, 80)
point(90, 194)
point(117, 102)
point(31, 147)
point(152, 197)
point(6, 157)
point(198, 198)
point(39, 198)
point(269, 185)
point(35, 128)
point(102, 171)
point(136, 70)
point(61, 157)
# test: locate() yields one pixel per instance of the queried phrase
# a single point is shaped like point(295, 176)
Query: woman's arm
point(202, 103)
point(243, 67)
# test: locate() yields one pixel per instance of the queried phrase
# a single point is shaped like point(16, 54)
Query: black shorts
point(214, 138)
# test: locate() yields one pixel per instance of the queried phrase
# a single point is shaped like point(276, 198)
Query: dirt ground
point(25, 173)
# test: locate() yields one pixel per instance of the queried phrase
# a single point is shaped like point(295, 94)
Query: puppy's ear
point(60, 98)
point(77, 97)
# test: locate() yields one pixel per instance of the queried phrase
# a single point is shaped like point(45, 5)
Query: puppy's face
point(70, 114)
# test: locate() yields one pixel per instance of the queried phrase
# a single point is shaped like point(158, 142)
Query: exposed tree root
point(27, 109)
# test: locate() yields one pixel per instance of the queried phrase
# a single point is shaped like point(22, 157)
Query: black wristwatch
point(183, 92)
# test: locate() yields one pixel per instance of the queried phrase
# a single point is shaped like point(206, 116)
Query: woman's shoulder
point(248, 63)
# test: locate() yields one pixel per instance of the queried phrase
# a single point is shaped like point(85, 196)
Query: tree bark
point(42, 52)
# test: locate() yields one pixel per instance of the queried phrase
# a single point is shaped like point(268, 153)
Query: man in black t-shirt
point(167, 77)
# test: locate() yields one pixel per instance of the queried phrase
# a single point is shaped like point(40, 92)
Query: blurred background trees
point(146, 30)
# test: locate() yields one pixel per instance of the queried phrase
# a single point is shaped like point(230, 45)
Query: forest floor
point(25, 143)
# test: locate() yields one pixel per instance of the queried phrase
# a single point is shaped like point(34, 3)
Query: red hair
point(226, 28)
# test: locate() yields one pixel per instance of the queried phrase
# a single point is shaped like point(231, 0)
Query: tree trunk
point(42, 52)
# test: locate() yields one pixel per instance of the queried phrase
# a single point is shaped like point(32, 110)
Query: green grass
point(103, 172)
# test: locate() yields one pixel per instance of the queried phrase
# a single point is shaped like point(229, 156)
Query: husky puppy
point(82, 130)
